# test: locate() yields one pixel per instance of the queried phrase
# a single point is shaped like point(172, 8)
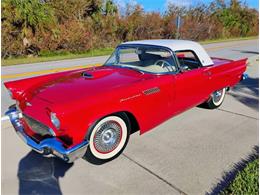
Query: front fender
point(79, 117)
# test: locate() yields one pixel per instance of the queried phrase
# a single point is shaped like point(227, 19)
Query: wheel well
point(134, 124)
point(132, 120)
point(127, 116)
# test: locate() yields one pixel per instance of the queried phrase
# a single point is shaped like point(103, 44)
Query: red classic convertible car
point(94, 110)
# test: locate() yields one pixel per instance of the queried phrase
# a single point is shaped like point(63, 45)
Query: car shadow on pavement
point(92, 160)
point(246, 92)
point(249, 86)
point(229, 176)
point(40, 175)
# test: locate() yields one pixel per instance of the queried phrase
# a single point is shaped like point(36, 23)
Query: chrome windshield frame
point(145, 45)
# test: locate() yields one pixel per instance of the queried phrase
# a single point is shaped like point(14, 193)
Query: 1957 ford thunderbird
point(93, 111)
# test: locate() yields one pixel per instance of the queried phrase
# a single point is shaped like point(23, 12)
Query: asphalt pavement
point(187, 154)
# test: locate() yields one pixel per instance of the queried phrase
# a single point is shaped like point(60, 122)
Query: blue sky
point(161, 5)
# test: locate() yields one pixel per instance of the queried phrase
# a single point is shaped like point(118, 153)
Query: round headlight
point(55, 121)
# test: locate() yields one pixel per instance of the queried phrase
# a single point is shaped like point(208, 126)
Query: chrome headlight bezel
point(54, 119)
point(52, 132)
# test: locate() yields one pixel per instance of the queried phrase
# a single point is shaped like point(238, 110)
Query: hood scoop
point(87, 75)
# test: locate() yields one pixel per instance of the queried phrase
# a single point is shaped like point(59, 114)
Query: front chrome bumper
point(49, 145)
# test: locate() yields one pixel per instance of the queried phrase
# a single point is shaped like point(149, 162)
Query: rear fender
point(227, 75)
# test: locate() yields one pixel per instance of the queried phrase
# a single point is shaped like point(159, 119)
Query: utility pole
point(178, 25)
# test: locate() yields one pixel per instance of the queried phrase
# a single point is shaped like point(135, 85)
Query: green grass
point(53, 56)
point(48, 56)
point(246, 181)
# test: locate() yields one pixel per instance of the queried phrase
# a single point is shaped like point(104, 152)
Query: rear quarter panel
point(226, 74)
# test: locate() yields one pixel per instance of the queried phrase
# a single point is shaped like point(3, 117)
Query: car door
point(192, 83)
point(155, 104)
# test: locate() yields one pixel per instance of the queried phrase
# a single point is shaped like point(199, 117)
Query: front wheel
point(108, 138)
point(216, 99)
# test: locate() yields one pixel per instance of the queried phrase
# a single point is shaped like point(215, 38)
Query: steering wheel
point(163, 64)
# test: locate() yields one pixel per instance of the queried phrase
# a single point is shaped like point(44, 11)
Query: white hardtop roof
point(178, 45)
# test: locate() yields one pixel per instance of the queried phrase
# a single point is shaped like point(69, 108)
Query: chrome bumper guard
point(46, 146)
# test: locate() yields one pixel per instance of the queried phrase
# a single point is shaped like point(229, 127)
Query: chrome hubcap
point(217, 95)
point(107, 137)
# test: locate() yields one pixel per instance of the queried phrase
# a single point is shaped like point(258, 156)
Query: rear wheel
point(216, 99)
point(108, 138)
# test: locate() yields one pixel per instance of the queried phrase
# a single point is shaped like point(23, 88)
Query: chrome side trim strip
point(151, 91)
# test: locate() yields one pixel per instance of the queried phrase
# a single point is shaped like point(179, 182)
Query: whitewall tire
point(108, 137)
point(216, 99)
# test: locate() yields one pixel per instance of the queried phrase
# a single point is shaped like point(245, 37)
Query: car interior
point(187, 60)
point(152, 61)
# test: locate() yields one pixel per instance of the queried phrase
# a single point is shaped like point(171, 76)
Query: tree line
point(32, 27)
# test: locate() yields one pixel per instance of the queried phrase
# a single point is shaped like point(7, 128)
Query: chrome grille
point(36, 126)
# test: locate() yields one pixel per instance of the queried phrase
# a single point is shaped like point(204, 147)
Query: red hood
point(73, 85)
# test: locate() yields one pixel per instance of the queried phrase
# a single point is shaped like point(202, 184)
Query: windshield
point(143, 58)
